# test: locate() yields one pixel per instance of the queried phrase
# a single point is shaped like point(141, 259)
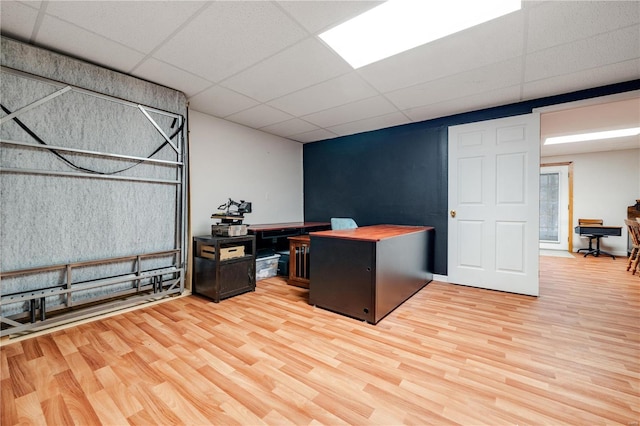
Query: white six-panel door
point(493, 204)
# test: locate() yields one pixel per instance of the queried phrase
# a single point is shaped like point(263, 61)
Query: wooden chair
point(634, 232)
point(591, 237)
point(590, 222)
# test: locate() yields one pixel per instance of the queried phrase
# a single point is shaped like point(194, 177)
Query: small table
point(597, 232)
point(299, 260)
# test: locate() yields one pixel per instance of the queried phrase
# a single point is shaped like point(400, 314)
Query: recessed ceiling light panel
point(584, 137)
point(399, 25)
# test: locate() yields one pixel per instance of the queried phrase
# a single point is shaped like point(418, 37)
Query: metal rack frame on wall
point(68, 291)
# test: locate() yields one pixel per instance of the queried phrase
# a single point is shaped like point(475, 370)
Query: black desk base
point(595, 252)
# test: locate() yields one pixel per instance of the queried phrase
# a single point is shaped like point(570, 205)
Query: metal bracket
point(34, 104)
point(164, 135)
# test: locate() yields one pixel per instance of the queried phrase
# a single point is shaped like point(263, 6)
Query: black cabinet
point(224, 266)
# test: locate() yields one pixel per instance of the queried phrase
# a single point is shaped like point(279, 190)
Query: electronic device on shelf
point(230, 219)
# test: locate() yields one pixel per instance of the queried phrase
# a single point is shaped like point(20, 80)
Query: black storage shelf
point(217, 278)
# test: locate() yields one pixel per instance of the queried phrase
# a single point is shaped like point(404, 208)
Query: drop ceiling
point(262, 65)
point(611, 113)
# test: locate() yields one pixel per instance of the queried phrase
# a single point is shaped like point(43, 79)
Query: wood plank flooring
point(449, 355)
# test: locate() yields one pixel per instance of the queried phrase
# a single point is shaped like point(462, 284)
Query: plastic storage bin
point(267, 267)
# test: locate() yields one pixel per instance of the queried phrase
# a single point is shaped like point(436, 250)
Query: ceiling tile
point(289, 127)
point(120, 20)
point(374, 123)
point(585, 79)
point(170, 76)
point(561, 22)
point(359, 110)
point(18, 19)
point(316, 15)
point(230, 36)
point(500, 96)
point(314, 135)
point(220, 102)
point(456, 86)
point(306, 63)
point(259, 116)
point(610, 48)
point(335, 92)
point(230, 57)
point(466, 50)
point(77, 42)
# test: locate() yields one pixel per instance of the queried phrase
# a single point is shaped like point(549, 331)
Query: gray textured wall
point(47, 219)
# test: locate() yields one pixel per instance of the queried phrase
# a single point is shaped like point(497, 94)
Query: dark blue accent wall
point(398, 175)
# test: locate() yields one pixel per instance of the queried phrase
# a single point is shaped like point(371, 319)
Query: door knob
point(452, 213)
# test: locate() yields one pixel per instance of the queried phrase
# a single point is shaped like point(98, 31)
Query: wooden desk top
point(372, 233)
point(286, 225)
point(599, 230)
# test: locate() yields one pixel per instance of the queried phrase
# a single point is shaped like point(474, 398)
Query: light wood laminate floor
point(449, 355)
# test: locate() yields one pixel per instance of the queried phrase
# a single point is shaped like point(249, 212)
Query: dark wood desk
point(288, 226)
point(597, 231)
point(273, 237)
point(367, 272)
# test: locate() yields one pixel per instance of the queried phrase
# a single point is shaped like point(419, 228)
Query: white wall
point(604, 184)
point(228, 160)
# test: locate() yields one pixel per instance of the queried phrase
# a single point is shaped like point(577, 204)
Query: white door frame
point(564, 223)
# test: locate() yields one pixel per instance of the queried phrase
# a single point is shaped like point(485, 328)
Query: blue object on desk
point(343, 223)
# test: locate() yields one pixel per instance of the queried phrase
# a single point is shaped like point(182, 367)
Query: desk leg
point(597, 252)
point(589, 249)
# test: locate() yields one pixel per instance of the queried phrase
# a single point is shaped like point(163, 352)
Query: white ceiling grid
point(261, 63)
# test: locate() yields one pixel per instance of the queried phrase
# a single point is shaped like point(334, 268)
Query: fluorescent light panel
point(399, 25)
point(609, 134)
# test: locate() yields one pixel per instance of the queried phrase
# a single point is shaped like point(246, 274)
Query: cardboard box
point(225, 253)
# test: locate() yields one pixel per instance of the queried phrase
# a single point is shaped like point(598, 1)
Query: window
point(549, 203)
